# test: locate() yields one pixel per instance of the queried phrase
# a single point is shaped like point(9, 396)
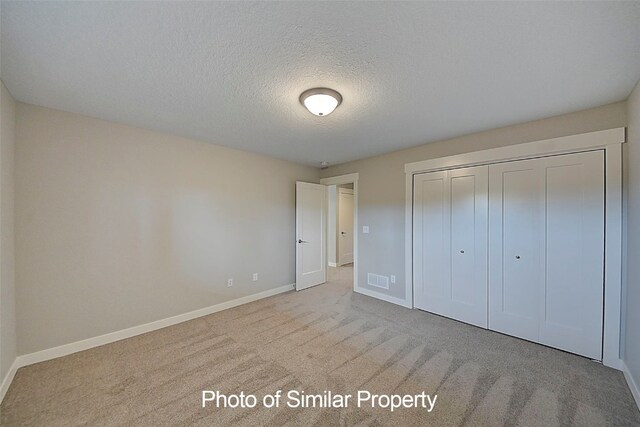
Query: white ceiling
point(231, 73)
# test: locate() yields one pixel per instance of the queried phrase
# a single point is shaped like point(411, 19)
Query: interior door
point(345, 226)
point(311, 266)
point(516, 245)
point(430, 241)
point(450, 244)
point(469, 205)
point(546, 278)
point(571, 301)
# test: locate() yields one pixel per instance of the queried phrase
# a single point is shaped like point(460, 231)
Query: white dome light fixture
point(320, 101)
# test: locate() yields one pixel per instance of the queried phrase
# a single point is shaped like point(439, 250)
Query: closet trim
point(610, 141)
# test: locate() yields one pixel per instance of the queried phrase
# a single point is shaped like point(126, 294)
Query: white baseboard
point(384, 297)
point(333, 264)
point(633, 385)
point(6, 382)
point(66, 349)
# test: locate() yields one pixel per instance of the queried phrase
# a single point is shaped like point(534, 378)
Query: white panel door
point(467, 291)
point(430, 241)
point(450, 244)
point(571, 300)
point(311, 266)
point(515, 244)
point(546, 218)
point(345, 226)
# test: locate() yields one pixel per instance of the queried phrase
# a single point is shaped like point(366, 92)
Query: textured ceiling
point(231, 73)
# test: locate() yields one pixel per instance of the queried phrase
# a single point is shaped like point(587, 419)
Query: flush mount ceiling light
point(320, 101)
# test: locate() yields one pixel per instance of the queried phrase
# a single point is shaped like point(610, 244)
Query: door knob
point(302, 241)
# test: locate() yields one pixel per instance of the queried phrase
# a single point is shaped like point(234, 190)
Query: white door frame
point(348, 179)
point(610, 141)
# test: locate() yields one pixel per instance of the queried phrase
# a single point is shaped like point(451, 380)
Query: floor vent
point(378, 281)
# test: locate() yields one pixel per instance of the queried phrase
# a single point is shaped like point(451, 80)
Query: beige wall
point(631, 336)
point(118, 226)
point(7, 272)
point(381, 185)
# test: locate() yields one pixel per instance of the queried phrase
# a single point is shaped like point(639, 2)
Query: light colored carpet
point(324, 338)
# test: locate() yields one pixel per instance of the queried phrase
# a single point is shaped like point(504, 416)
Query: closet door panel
point(450, 244)
point(515, 245)
point(468, 287)
point(430, 241)
point(462, 239)
point(571, 300)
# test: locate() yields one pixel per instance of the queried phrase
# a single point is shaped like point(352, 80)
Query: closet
point(516, 247)
point(450, 243)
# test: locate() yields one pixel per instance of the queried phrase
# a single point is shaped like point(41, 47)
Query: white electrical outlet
point(230, 282)
point(255, 277)
point(393, 279)
point(365, 229)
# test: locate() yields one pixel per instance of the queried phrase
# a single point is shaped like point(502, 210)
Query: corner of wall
point(8, 341)
point(630, 323)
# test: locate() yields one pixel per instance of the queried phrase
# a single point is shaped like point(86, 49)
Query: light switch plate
point(365, 229)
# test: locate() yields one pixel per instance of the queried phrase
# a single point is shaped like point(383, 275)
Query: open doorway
point(342, 223)
point(312, 223)
point(340, 226)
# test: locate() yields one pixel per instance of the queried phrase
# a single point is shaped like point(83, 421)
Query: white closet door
point(546, 246)
point(571, 301)
point(430, 241)
point(515, 247)
point(450, 243)
point(467, 290)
